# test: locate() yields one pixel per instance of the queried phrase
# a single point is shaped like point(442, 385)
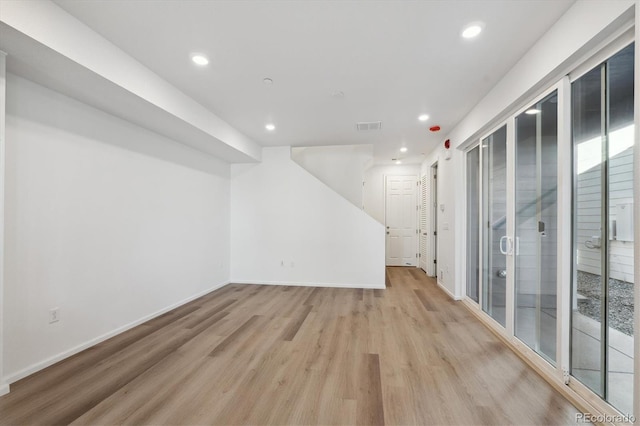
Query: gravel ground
point(620, 301)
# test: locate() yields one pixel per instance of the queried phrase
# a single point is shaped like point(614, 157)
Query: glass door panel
point(473, 223)
point(494, 227)
point(536, 226)
point(602, 319)
point(587, 331)
point(620, 131)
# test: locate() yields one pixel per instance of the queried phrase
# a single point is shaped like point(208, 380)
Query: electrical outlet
point(54, 315)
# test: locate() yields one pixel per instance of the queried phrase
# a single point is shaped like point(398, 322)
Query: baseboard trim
point(302, 284)
point(79, 348)
point(4, 389)
point(447, 291)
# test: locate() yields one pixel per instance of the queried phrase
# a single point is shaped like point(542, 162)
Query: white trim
point(605, 50)
point(432, 211)
point(302, 284)
point(538, 97)
point(59, 357)
point(565, 232)
point(510, 200)
point(3, 88)
point(503, 123)
point(636, 167)
point(4, 389)
point(448, 292)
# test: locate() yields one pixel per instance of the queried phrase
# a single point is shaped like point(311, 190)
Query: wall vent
point(368, 125)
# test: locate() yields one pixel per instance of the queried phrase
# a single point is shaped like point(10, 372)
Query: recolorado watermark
point(604, 418)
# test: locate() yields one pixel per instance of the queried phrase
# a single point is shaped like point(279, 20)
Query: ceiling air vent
point(369, 125)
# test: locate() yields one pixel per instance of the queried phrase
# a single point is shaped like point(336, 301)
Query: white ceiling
point(393, 60)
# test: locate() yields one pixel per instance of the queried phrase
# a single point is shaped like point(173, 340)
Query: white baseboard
point(302, 284)
point(4, 389)
point(446, 290)
point(66, 354)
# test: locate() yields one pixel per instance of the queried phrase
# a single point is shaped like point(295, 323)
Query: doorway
point(401, 220)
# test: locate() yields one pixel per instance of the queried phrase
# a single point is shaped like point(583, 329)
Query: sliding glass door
point(494, 225)
point(603, 281)
point(549, 218)
point(536, 236)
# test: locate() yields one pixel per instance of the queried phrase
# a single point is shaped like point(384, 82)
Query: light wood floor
point(249, 354)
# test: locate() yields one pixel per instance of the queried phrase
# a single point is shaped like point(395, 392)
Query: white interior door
point(401, 220)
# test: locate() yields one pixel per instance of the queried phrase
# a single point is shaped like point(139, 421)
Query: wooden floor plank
point(251, 354)
point(292, 330)
point(370, 402)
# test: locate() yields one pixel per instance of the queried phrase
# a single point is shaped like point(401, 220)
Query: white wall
point(290, 228)
point(4, 387)
point(100, 226)
point(339, 167)
point(374, 187)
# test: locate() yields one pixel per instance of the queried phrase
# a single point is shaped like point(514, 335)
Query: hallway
point(249, 354)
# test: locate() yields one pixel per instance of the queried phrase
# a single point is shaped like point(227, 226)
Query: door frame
point(433, 222)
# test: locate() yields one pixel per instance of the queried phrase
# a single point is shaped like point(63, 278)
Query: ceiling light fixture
point(398, 162)
point(472, 30)
point(403, 149)
point(199, 59)
point(270, 127)
point(267, 81)
point(532, 111)
point(423, 117)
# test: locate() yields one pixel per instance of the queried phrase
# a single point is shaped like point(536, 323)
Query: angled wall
point(340, 167)
point(289, 228)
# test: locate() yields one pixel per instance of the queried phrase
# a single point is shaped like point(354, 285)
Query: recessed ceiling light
point(532, 111)
point(270, 127)
point(199, 59)
point(472, 30)
point(403, 149)
point(423, 117)
point(267, 81)
point(398, 162)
